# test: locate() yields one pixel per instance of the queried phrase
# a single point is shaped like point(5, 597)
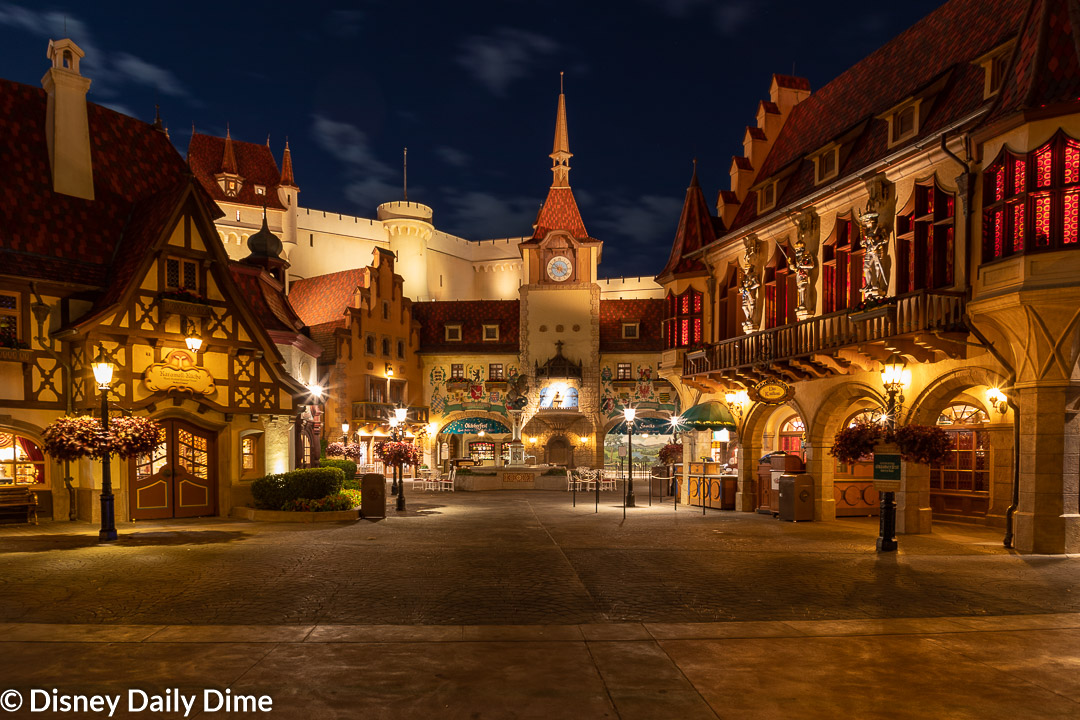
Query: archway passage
point(960, 486)
point(853, 483)
point(178, 479)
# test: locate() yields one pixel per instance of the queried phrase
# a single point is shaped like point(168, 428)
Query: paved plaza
point(514, 605)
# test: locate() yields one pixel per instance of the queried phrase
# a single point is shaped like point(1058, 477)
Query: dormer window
point(452, 333)
point(631, 330)
point(904, 123)
point(766, 197)
point(232, 187)
point(994, 65)
point(826, 165)
point(491, 333)
point(260, 190)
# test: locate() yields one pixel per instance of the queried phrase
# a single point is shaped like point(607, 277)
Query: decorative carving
point(749, 284)
point(801, 262)
point(875, 244)
point(516, 394)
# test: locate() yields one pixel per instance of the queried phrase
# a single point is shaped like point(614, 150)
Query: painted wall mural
point(643, 390)
point(469, 391)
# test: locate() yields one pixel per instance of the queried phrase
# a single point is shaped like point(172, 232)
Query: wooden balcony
point(925, 326)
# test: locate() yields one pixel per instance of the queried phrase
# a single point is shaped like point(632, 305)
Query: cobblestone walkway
point(516, 558)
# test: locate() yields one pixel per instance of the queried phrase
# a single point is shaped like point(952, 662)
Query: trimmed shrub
point(347, 466)
point(337, 501)
point(273, 492)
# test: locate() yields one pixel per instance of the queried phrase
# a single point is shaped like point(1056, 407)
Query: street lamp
point(628, 415)
point(103, 374)
point(894, 377)
point(397, 420)
point(344, 433)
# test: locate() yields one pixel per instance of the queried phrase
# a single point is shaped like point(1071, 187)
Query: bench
point(12, 498)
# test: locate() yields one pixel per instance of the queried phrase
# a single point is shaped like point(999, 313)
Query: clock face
point(559, 268)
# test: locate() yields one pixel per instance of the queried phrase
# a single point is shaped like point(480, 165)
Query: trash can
point(796, 498)
point(373, 495)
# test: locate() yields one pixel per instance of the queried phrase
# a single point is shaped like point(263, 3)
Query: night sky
point(470, 88)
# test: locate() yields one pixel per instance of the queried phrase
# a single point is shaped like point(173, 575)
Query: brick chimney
point(67, 130)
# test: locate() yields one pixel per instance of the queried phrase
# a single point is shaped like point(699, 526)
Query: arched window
point(21, 460)
point(924, 238)
point(1031, 202)
point(791, 436)
point(961, 484)
point(684, 324)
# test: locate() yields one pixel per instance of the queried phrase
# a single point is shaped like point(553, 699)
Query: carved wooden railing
point(922, 311)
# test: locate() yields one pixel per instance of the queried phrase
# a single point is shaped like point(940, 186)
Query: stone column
point(1000, 438)
point(820, 464)
point(913, 499)
point(746, 495)
point(1047, 518)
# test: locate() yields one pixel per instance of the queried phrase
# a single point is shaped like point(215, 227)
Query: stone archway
point(751, 448)
point(558, 451)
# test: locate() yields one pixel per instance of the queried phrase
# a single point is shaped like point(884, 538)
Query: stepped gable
point(1045, 66)
point(647, 312)
point(323, 299)
point(472, 315)
point(940, 47)
point(696, 229)
point(138, 178)
point(254, 163)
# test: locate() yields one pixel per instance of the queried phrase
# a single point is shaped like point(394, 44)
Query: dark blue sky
point(470, 88)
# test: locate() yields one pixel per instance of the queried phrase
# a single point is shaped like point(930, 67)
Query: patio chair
point(588, 479)
point(446, 482)
point(609, 479)
point(572, 482)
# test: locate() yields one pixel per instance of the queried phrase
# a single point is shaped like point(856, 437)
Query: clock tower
point(560, 298)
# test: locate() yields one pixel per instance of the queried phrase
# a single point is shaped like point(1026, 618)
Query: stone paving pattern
point(516, 558)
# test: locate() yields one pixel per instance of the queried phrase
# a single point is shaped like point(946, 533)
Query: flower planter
point(247, 513)
point(171, 306)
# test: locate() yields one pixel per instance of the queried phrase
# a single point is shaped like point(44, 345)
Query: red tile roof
point(254, 163)
point(790, 81)
point(560, 212)
point(472, 315)
point(613, 313)
point(695, 230)
point(324, 335)
point(286, 168)
point(266, 298)
point(323, 299)
point(770, 107)
point(940, 46)
point(48, 235)
point(755, 132)
point(743, 163)
point(1045, 65)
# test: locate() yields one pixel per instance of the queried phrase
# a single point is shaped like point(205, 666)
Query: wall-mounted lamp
point(737, 402)
point(389, 370)
point(192, 339)
point(998, 400)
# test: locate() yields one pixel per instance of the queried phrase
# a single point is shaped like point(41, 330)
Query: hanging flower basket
point(335, 449)
point(354, 452)
point(398, 453)
point(72, 438)
point(923, 444)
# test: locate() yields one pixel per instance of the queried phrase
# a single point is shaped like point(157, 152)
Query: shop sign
point(771, 392)
point(887, 471)
point(472, 426)
point(179, 371)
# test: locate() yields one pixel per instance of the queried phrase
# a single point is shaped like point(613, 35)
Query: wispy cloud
point(368, 180)
point(452, 156)
point(110, 71)
point(646, 221)
point(507, 54)
point(478, 215)
point(728, 17)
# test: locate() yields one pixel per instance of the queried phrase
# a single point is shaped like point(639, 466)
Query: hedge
point(347, 466)
point(273, 492)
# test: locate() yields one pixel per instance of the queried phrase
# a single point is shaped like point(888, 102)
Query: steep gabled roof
point(472, 315)
point(254, 163)
point(138, 176)
point(1045, 65)
point(266, 299)
point(323, 299)
point(696, 229)
point(935, 52)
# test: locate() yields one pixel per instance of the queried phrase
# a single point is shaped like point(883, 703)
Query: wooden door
point(177, 479)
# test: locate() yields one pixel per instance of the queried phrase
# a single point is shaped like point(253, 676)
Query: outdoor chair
point(609, 479)
point(587, 479)
point(446, 482)
point(572, 483)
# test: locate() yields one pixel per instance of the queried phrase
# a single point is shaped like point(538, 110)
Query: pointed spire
point(286, 167)
point(157, 118)
point(696, 229)
point(560, 151)
point(228, 161)
point(267, 139)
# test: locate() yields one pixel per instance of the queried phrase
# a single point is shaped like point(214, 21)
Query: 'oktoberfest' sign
point(472, 426)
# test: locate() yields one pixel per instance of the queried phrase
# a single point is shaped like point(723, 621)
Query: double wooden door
point(178, 478)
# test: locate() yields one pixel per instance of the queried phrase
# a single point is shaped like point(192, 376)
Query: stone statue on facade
point(748, 285)
point(875, 240)
point(801, 263)
point(517, 388)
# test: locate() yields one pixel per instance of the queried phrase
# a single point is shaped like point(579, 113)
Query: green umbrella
point(708, 416)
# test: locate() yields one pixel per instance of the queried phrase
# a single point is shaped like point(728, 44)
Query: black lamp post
point(893, 377)
point(103, 374)
point(629, 414)
point(397, 434)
